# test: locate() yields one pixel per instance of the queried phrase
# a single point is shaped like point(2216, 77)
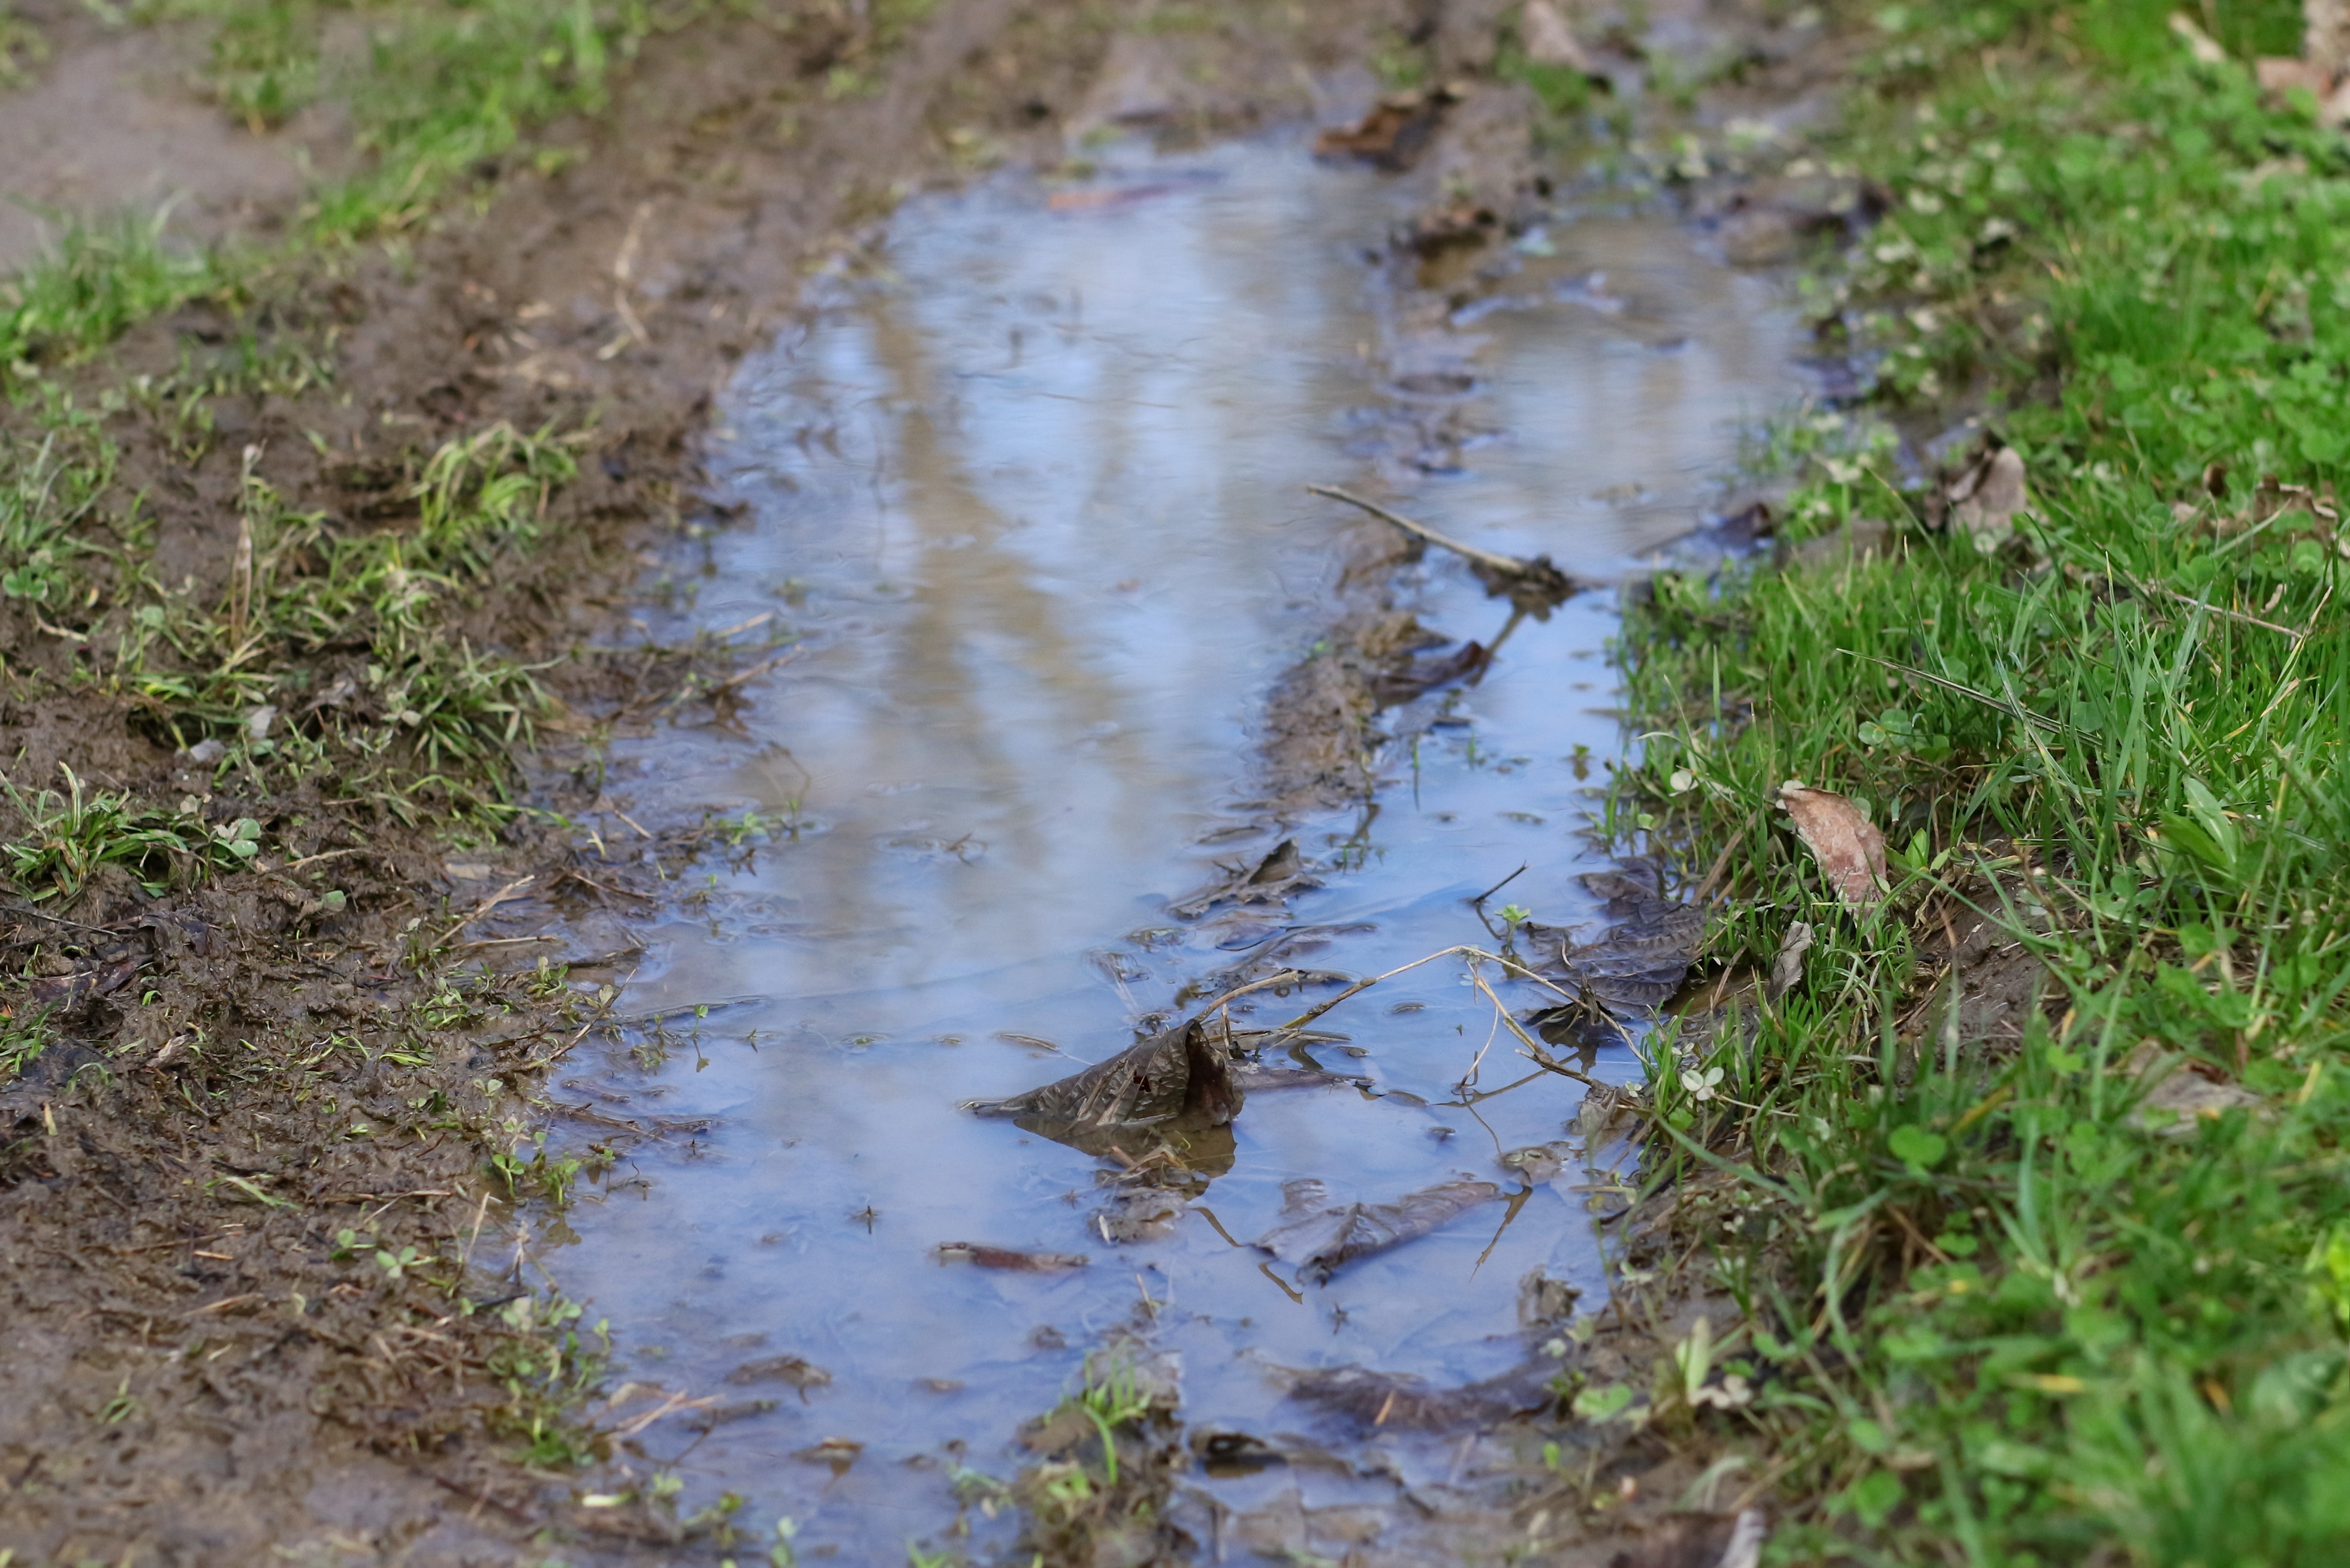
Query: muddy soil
point(254, 1100)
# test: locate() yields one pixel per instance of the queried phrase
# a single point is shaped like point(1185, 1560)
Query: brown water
point(1030, 498)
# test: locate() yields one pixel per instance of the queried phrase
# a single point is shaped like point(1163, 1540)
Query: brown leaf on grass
point(2185, 1093)
point(1985, 499)
point(2284, 73)
point(1320, 1236)
point(2325, 33)
point(2325, 68)
point(1787, 968)
point(1850, 851)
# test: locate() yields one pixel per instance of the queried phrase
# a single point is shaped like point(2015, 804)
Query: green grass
point(94, 285)
point(68, 835)
point(436, 97)
point(2000, 1317)
point(437, 93)
point(22, 47)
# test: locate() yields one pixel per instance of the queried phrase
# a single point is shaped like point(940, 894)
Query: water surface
point(1030, 497)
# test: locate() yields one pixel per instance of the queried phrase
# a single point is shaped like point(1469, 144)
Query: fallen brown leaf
point(1849, 849)
point(2282, 73)
point(1787, 968)
point(1549, 41)
point(2181, 1095)
point(1986, 498)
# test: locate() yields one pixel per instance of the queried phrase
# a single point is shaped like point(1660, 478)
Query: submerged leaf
point(1393, 135)
point(1320, 1236)
point(1634, 968)
point(1139, 1214)
point(1005, 1258)
point(1269, 881)
point(1399, 1400)
point(800, 1374)
point(1255, 1077)
point(1850, 851)
point(1544, 1302)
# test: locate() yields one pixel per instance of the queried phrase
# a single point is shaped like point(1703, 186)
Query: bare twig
point(1508, 566)
point(314, 859)
point(510, 890)
point(1522, 973)
point(1499, 886)
point(2218, 611)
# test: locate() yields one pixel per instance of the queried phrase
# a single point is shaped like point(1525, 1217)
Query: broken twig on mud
point(1538, 578)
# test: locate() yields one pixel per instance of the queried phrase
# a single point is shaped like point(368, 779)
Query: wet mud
point(1028, 785)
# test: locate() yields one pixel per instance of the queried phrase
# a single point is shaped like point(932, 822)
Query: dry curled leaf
point(1787, 968)
point(1850, 851)
point(1986, 498)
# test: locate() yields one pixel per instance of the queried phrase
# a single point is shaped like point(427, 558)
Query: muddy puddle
point(1026, 498)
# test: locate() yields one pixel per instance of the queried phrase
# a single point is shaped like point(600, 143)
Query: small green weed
point(97, 281)
point(67, 837)
point(22, 1039)
point(1113, 1396)
point(22, 47)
